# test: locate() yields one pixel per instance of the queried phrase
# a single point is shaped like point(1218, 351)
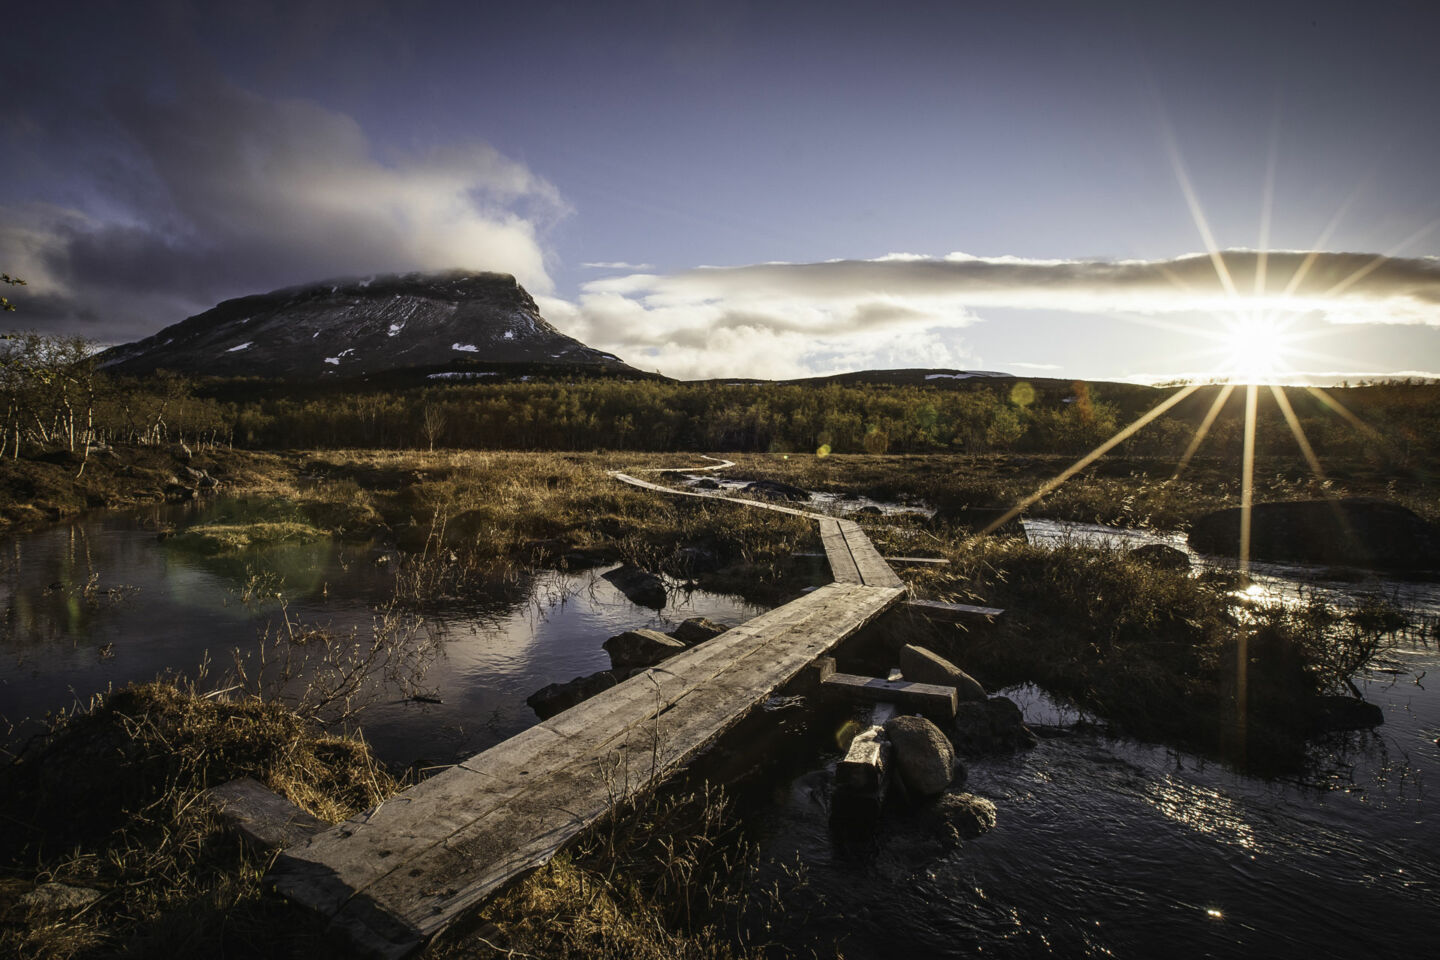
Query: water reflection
point(105, 601)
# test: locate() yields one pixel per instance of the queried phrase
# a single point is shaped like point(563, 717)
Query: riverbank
point(1154, 652)
point(110, 846)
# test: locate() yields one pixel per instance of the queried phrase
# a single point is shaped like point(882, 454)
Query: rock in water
point(919, 665)
point(641, 586)
point(1329, 713)
point(923, 756)
point(449, 325)
point(968, 815)
point(557, 697)
point(1358, 532)
point(1162, 556)
point(995, 725)
point(774, 490)
point(641, 648)
point(697, 630)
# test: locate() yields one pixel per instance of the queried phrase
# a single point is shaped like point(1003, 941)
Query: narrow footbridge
point(394, 876)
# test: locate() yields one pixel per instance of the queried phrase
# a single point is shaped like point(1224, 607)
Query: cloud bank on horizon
point(799, 319)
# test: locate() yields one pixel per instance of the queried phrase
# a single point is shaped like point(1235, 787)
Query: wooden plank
point(356, 851)
point(865, 768)
point(874, 571)
point(261, 816)
point(403, 906)
point(399, 873)
point(837, 549)
point(952, 612)
point(927, 698)
point(563, 783)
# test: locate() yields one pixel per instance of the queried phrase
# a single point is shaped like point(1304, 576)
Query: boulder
point(995, 725)
point(1162, 556)
point(774, 490)
point(966, 814)
point(552, 699)
point(1357, 532)
point(869, 511)
point(640, 586)
point(697, 630)
point(923, 756)
point(705, 483)
point(641, 648)
point(919, 665)
point(975, 518)
point(1327, 714)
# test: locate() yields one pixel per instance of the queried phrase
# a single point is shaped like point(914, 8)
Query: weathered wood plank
point(397, 874)
point(874, 571)
point(927, 698)
point(260, 815)
point(543, 813)
point(952, 612)
point(837, 550)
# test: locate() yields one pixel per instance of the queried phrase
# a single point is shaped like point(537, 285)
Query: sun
point(1255, 348)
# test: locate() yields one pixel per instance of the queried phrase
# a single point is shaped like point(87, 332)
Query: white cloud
point(232, 193)
point(616, 265)
point(796, 319)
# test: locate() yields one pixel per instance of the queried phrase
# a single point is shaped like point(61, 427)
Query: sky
point(1145, 191)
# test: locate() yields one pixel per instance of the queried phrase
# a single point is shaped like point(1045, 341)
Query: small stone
point(641, 648)
point(919, 665)
point(697, 630)
point(923, 756)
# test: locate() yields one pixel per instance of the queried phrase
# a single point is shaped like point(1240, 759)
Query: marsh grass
point(111, 800)
point(1160, 654)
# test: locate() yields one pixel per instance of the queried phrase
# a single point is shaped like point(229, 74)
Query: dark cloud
point(217, 192)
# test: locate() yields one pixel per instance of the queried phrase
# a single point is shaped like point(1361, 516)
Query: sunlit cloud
point(726, 321)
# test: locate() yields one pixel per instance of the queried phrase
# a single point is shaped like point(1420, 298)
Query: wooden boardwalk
point(396, 875)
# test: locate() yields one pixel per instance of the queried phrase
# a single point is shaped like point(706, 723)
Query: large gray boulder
point(697, 630)
point(640, 586)
point(919, 665)
point(923, 756)
point(641, 648)
point(1359, 532)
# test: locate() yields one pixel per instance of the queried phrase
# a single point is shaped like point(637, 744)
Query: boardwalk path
point(396, 875)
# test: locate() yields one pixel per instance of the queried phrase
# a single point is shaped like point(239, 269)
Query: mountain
point(434, 325)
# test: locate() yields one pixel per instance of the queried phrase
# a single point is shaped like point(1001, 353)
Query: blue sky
point(160, 157)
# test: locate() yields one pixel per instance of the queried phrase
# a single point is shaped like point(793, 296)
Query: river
point(1103, 848)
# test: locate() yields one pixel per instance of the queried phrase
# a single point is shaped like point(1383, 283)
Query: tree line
point(56, 398)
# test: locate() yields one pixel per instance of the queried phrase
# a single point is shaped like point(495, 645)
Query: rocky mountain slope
point(455, 324)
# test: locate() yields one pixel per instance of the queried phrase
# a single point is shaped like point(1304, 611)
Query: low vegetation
point(109, 799)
